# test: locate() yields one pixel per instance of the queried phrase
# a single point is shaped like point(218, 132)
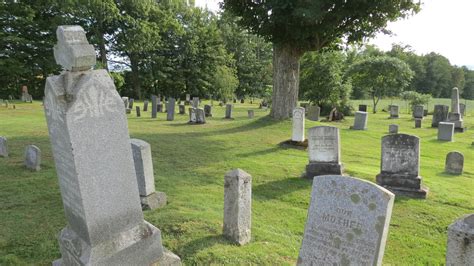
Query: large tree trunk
point(103, 54)
point(135, 76)
point(286, 77)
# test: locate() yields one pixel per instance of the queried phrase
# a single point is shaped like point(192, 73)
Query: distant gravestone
point(238, 206)
point(360, 121)
point(170, 109)
point(460, 248)
point(445, 131)
point(192, 115)
point(250, 114)
point(3, 147)
point(200, 116)
point(188, 98)
point(91, 149)
point(462, 109)
point(440, 114)
point(324, 152)
point(137, 110)
point(400, 166)
point(154, 107)
point(182, 109)
point(208, 110)
point(425, 112)
point(314, 112)
point(145, 106)
point(347, 222)
point(454, 163)
point(455, 115)
point(159, 108)
point(149, 198)
point(195, 102)
point(363, 107)
point(128, 111)
point(393, 129)
point(33, 158)
point(297, 134)
point(418, 111)
point(418, 122)
point(125, 102)
point(130, 103)
point(394, 111)
point(228, 111)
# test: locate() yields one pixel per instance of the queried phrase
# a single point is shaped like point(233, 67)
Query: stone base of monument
point(460, 129)
point(393, 117)
point(153, 201)
point(168, 259)
point(301, 145)
point(315, 169)
point(140, 245)
point(357, 128)
point(403, 185)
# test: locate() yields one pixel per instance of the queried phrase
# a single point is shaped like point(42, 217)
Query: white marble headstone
point(298, 124)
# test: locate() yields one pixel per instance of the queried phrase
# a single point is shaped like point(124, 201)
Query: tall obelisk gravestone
point(91, 147)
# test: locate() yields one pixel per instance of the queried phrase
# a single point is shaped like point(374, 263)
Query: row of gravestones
point(6, 103)
point(32, 155)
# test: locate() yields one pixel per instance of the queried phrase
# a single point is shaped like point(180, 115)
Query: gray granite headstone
point(182, 109)
point(125, 102)
point(228, 111)
point(446, 131)
point(159, 107)
point(33, 158)
point(3, 147)
point(462, 109)
point(91, 148)
point(188, 97)
point(455, 115)
point(250, 114)
point(360, 121)
point(460, 248)
point(314, 112)
point(195, 102)
point(130, 103)
point(324, 152)
point(73, 52)
point(137, 110)
point(145, 106)
point(440, 114)
point(170, 109)
point(392, 129)
point(200, 116)
point(400, 166)
point(208, 110)
point(192, 115)
point(154, 106)
point(297, 133)
point(394, 111)
point(150, 199)
point(454, 163)
point(418, 111)
point(418, 122)
point(347, 222)
point(238, 206)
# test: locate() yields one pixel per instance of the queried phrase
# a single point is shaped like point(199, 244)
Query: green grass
point(190, 162)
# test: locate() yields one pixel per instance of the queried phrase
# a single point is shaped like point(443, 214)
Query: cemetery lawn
point(190, 162)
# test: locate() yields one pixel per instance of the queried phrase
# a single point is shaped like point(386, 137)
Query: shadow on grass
point(260, 152)
point(193, 247)
point(278, 188)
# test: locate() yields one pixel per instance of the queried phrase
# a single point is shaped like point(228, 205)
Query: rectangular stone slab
point(347, 222)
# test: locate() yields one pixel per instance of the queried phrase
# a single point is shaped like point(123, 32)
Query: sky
point(442, 26)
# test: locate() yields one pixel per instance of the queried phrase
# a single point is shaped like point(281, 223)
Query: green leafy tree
point(438, 78)
point(224, 84)
point(468, 92)
point(297, 26)
point(380, 77)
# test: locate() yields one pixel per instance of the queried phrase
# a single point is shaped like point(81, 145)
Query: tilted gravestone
point(297, 133)
point(392, 129)
point(324, 152)
point(440, 114)
point(170, 109)
point(445, 131)
point(400, 166)
point(394, 111)
point(200, 116)
point(33, 158)
point(418, 111)
point(455, 115)
point(149, 198)
point(3, 147)
point(360, 121)
point(91, 148)
point(250, 114)
point(460, 248)
point(454, 163)
point(182, 109)
point(347, 222)
point(238, 206)
point(314, 112)
point(228, 111)
point(208, 110)
point(137, 110)
point(145, 106)
point(154, 107)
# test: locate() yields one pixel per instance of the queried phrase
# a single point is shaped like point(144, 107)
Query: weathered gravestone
point(125, 102)
point(192, 115)
point(250, 114)
point(418, 122)
point(418, 111)
point(128, 111)
point(195, 102)
point(93, 158)
point(324, 152)
point(159, 107)
point(394, 111)
point(238, 206)
point(3, 147)
point(347, 222)
point(33, 158)
point(154, 107)
point(137, 110)
point(188, 98)
point(440, 114)
point(363, 107)
point(297, 133)
point(360, 121)
point(455, 115)
point(170, 109)
point(228, 111)
point(400, 166)
point(314, 112)
point(460, 248)
point(200, 116)
point(145, 106)
point(462, 109)
point(130, 103)
point(445, 131)
point(182, 109)
point(208, 110)
point(454, 163)
point(392, 129)
point(149, 198)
